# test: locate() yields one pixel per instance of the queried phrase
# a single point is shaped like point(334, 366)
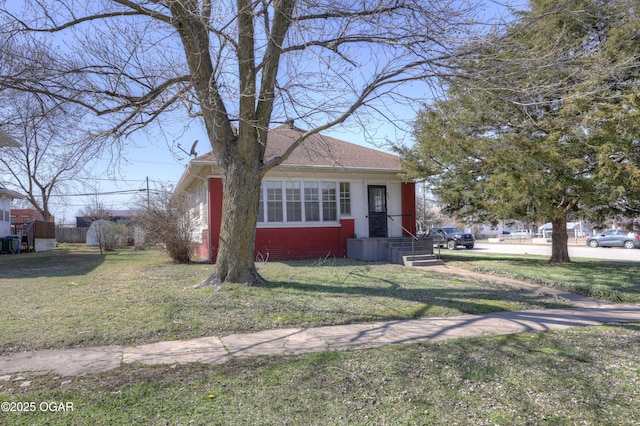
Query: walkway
point(74, 362)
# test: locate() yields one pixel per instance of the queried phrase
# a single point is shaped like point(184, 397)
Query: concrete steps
point(409, 252)
point(422, 260)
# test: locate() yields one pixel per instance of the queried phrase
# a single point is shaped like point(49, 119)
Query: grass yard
point(587, 376)
point(616, 281)
point(73, 296)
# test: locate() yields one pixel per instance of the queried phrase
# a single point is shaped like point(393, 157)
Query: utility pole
point(148, 202)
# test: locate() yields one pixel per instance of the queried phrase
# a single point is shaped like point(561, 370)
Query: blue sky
point(163, 165)
point(157, 158)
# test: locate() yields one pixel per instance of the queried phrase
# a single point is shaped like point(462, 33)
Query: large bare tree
point(238, 66)
point(53, 148)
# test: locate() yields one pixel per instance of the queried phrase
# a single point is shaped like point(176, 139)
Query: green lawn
point(73, 296)
point(587, 376)
point(617, 281)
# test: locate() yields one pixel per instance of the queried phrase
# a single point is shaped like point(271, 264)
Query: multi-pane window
point(329, 206)
point(274, 201)
point(294, 202)
point(312, 201)
point(345, 198)
point(303, 201)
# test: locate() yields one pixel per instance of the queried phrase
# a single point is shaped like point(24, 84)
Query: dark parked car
point(615, 238)
point(451, 237)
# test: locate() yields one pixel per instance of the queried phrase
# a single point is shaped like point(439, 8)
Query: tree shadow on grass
point(467, 301)
point(60, 262)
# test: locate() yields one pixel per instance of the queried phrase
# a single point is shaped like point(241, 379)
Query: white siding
point(360, 206)
point(5, 217)
point(200, 210)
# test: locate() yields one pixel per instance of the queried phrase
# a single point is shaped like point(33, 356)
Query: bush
point(107, 235)
point(169, 220)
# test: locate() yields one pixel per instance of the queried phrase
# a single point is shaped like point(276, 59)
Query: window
point(345, 198)
point(312, 201)
point(302, 201)
point(329, 205)
point(26, 219)
point(274, 201)
point(294, 202)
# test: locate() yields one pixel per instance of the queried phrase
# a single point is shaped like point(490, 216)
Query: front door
point(377, 211)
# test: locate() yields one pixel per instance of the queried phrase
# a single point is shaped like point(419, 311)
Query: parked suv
point(451, 237)
point(615, 238)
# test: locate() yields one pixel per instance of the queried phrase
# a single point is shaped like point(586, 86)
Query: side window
point(274, 201)
point(312, 201)
point(329, 205)
point(345, 198)
point(294, 202)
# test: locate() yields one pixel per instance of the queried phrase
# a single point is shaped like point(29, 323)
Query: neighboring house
point(574, 229)
point(327, 192)
point(27, 216)
point(123, 217)
point(6, 197)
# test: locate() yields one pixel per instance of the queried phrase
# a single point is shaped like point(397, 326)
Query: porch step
point(422, 260)
point(392, 250)
point(400, 248)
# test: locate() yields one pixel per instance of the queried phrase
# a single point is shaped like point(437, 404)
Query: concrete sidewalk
point(75, 362)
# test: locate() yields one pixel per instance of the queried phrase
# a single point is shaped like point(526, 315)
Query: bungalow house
point(326, 194)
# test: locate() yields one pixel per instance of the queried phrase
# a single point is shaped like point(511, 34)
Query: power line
point(126, 191)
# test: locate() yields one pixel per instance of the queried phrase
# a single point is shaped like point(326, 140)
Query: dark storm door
point(377, 211)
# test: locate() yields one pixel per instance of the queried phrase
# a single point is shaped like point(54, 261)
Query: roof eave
point(7, 141)
point(338, 168)
point(11, 194)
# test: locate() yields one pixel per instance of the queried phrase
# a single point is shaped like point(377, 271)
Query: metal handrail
point(413, 237)
point(401, 225)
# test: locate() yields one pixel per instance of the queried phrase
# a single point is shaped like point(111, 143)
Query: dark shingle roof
point(7, 140)
point(322, 151)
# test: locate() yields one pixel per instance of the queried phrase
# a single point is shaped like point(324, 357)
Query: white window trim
point(304, 223)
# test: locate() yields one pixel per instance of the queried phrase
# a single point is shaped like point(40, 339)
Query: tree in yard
point(542, 122)
point(52, 150)
point(238, 67)
point(108, 234)
point(169, 220)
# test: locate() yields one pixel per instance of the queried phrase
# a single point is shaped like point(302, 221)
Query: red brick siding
point(304, 243)
point(32, 214)
point(281, 243)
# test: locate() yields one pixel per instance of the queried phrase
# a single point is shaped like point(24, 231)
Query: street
point(575, 251)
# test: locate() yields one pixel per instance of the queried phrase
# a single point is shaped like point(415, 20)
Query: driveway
point(613, 253)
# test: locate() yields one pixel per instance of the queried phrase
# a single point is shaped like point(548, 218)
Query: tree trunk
point(236, 247)
point(559, 239)
point(241, 195)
